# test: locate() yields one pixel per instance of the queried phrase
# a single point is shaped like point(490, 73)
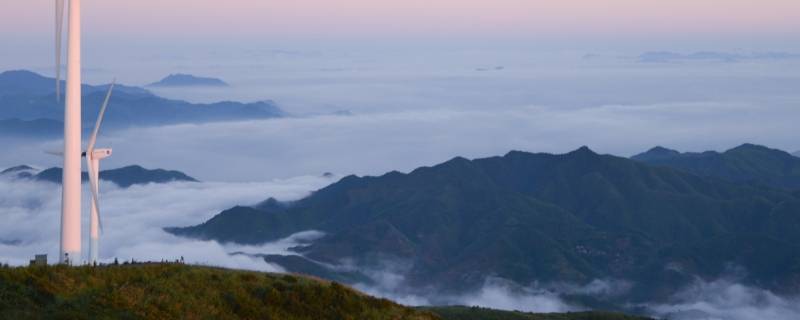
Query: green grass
point(176, 291)
point(173, 291)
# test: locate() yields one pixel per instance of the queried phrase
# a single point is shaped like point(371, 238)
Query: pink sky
point(415, 18)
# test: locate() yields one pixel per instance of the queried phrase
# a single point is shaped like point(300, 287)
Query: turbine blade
point(93, 137)
point(59, 35)
point(54, 153)
point(95, 187)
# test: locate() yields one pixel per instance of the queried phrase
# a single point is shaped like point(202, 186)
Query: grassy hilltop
point(175, 291)
point(171, 291)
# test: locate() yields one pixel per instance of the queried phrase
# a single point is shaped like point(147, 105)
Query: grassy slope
point(475, 313)
point(182, 292)
point(173, 291)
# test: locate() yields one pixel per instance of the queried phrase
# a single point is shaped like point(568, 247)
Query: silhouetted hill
point(28, 96)
point(747, 163)
point(796, 154)
point(25, 83)
point(540, 218)
point(19, 172)
point(16, 169)
point(172, 291)
point(187, 80)
point(123, 177)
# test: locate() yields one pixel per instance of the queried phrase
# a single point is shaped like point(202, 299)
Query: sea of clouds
point(406, 109)
point(372, 144)
point(133, 219)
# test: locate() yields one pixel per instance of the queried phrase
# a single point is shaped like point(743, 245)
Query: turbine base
point(71, 258)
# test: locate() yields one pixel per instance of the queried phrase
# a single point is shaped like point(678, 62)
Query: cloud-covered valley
point(133, 219)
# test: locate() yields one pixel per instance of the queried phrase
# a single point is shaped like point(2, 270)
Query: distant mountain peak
point(123, 177)
point(459, 160)
point(186, 80)
point(16, 169)
point(754, 147)
point(271, 204)
point(662, 150)
point(19, 172)
point(658, 152)
point(20, 73)
point(751, 163)
point(583, 151)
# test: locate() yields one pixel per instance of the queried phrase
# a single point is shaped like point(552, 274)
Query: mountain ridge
point(542, 218)
point(124, 176)
point(747, 163)
point(27, 99)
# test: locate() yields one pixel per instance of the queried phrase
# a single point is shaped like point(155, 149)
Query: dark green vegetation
point(123, 177)
point(184, 80)
point(177, 291)
point(476, 313)
point(28, 107)
point(540, 217)
point(744, 164)
point(172, 291)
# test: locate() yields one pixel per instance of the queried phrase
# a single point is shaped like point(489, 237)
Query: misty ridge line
point(390, 277)
point(132, 106)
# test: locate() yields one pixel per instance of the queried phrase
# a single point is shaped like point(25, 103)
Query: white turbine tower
point(70, 252)
point(93, 157)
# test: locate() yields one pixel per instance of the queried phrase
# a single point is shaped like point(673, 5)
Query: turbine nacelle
point(99, 154)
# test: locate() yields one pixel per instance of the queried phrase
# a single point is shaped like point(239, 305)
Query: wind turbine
point(93, 157)
point(70, 251)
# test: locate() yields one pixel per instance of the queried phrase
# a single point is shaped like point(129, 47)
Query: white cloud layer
point(133, 219)
point(727, 300)
point(378, 143)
